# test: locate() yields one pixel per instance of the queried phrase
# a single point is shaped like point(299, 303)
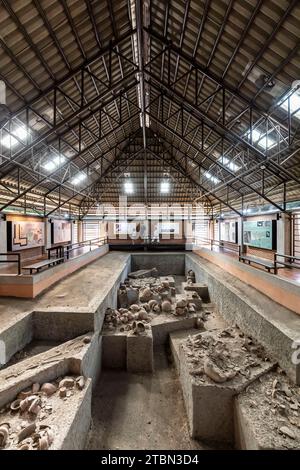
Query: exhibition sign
point(260, 234)
point(24, 235)
point(61, 231)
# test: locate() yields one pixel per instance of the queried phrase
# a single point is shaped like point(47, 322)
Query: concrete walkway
point(81, 291)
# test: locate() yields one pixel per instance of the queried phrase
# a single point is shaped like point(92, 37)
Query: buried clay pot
point(181, 303)
point(143, 315)
point(152, 304)
point(145, 294)
point(48, 389)
point(135, 308)
point(166, 306)
point(146, 307)
point(4, 434)
point(157, 308)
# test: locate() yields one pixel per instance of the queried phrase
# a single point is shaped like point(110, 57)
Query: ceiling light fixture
point(128, 187)
point(14, 137)
point(78, 178)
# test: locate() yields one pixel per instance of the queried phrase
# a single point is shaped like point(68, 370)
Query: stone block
point(169, 279)
point(140, 352)
point(194, 299)
point(141, 273)
point(201, 289)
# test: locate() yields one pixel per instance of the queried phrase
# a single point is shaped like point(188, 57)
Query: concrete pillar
point(284, 227)
point(3, 238)
point(47, 233)
point(80, 231)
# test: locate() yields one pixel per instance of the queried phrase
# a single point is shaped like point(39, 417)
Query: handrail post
point(275, 263)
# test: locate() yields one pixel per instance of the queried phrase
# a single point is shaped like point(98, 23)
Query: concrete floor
point(136, 411)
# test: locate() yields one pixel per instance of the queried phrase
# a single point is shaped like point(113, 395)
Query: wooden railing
point(17, 261)
point(221, 244)
point(288, 261)
point(65, 250)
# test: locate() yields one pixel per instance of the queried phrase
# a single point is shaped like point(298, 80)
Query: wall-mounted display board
point(125, 228)
point(169, 228)
point(22, 235)
point(229, 231)
point(60, 231)
point(260, 234)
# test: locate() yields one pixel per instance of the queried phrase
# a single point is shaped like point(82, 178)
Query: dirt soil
point(272, 407)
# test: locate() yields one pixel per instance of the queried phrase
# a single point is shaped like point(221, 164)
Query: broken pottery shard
point(199, 323)
point(26, 432)
point(213, 372)
point(62, 392)
point(35, 406)
point(138, 327)
point(4, 433)
point(35, 388)
point(287, 432)
point(43, 443)
point(67, 382)
point(15, 405)
point(80, 382)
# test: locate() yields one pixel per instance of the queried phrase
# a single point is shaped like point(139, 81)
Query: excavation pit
point(214, 367)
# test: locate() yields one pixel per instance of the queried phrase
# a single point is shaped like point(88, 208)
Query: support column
point(3, 238)
point(80, 231)
point(284, 234)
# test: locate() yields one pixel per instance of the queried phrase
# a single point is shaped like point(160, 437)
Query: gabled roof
point(197, 90)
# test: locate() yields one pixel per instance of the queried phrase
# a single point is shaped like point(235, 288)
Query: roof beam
point(219, 164)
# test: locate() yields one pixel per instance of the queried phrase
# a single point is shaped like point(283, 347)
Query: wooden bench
point(42, 264)
point(252, 259)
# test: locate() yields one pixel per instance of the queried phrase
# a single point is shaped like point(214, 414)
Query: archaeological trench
point(166, 353)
